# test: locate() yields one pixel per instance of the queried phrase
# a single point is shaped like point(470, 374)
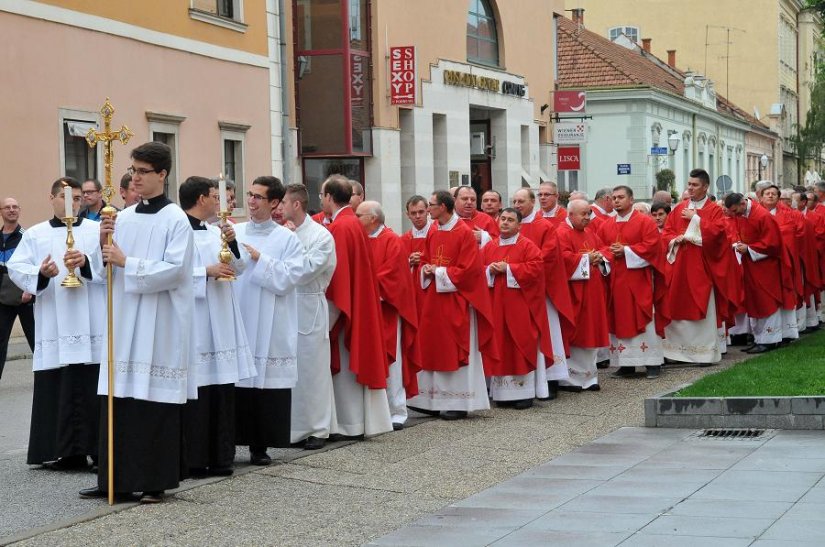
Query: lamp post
point(763, 162)
point(673, 142)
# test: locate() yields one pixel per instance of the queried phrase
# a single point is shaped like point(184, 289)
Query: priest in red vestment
point(484, 228)
point(635, 247)
point(551, 210)
point(701, 292)
point(413, 240)
point(542, 232)
point(585, 266)
point(515, 274)
point(397, 308)
point(760, 244)
point(810, 265)
point(456, 318)
point(358, 357)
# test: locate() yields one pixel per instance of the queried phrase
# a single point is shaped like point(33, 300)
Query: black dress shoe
point(759, 348)
point(93, 492)
point(653, 372)
point(260, 458)
point(453, 414)
point(603, 364)
point(151, 497)
point(504, 404)
point(750, 347)
point(624, 372)
point(424, 411)
point(397, 426)
point(69, 463)
point(522, 404)
point(594, 387)
point(314, 443)
point(336, 437)
point(571, 389)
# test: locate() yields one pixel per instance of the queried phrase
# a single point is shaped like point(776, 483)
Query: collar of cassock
point(57, 223)
point(196, 223)
point(508, 240)
point(623, 218)
point(152, 205)
point(530, 218)
point(264, 227)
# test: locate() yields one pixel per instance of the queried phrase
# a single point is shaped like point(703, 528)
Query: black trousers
point(262, 418)
point(209, 427)
point(7, 316)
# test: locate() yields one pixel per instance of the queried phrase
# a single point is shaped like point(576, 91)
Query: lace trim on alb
point(155, 371)
point(222, 356)
point(72, 340)
point(277, 362)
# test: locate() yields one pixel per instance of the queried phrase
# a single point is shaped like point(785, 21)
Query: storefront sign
point(512, 88)
point(569, 101)
point(569, 159)
point(402, 75)
point(569, 133)
point(358, 77)
point(465, 79)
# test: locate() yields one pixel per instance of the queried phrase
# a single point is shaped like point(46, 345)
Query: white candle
point(67, 198)
point(222, 192)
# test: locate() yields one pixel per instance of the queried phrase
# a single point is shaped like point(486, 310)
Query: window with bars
point(482, 37)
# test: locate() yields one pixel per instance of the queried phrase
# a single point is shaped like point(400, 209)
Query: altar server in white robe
point(274, 262)
point(151, 257)
point(221, 356)
point(313, 400)
point(65, 412)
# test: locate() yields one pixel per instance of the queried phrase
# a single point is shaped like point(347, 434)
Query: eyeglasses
point(89, 192)
point(542, 194)
point(256, 197)
point(433, 204)
point(139, 171)
point(11, 207)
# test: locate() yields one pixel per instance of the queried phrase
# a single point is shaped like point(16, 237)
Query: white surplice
point(269, 303)
point(70, 321)
point(313, 400)
point(153, 302)
point(221, 354)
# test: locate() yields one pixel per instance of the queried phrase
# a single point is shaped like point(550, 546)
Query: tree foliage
point(818, 6)
point(810, 137)
point(665, 180)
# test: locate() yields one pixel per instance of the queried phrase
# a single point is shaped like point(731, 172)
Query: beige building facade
point(200, 76)
point(758, 53)
point(483, 75)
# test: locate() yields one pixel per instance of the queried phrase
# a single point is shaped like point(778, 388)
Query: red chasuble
point(480, 221)
point(737, 275)
point(630, 304)
point(791, 229)
point(762, 279)
point(556, 221)
point(354, 290)
point(818, 218)
point(543, 234)
point(697, 270)
point(398, 301)
point(589, 296)
point(445, 317)
point(320, 218)
point(411, 245)
point(519, 315)
point(810, 258)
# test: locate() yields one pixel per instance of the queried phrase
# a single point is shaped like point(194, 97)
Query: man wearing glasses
point(152, 259)
point(548, 195)
point(92, 199)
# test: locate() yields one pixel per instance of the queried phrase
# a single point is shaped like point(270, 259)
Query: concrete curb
point(800, 412)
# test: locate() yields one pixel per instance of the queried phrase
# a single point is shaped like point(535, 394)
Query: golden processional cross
point(107, 137)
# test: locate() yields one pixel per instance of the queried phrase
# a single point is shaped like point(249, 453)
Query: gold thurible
point(225, 255)
point(71, 280)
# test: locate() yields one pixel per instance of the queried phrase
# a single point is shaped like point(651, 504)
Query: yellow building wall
point(172, 17)
point(438, 30)
point(752, 76)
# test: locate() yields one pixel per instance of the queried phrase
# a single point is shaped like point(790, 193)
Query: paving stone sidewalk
point(362, 491)
point(648, 487)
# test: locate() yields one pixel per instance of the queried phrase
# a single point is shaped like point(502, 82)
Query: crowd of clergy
point(294, 329)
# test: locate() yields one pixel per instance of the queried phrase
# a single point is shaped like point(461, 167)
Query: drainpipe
point(286, 136)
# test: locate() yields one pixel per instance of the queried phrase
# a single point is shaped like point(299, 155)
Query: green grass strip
point(798, 369)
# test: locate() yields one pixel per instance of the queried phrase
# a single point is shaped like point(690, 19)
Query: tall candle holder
point(71, 280)
point(225, 255)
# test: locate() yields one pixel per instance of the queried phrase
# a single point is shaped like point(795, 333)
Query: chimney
point(578, 16)
point(671, 58)
point(646, 44)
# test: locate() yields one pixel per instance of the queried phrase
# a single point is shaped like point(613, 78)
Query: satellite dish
point(724, 184)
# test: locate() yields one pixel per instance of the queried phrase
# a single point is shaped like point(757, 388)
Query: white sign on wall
point(569, 133)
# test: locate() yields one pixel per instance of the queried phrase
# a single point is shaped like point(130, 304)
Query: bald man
point(357, 194)
point(22, 307)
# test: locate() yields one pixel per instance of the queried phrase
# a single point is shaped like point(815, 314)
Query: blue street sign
point(622, 168)
point(658, 151)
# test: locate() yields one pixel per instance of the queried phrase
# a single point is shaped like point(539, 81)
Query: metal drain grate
point(732, 433)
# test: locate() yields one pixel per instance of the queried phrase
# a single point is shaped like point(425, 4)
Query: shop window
point(233, 157)
point(316, 171)
point(482, 36)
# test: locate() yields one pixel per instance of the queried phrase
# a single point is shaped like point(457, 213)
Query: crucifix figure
point(107, 136)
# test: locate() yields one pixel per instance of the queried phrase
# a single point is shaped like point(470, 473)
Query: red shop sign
point(569, 158)
point(402, 75)
point(569, 101)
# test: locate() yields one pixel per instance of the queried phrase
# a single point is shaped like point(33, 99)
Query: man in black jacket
point(13, 304)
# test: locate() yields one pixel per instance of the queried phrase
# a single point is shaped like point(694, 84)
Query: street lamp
point(763, 162)
point(673, 142)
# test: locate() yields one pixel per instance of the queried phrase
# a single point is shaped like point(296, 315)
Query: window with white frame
point(77, 159)
point(232, 158)
point(165, 128)
point(631, 32)
point(224, 13)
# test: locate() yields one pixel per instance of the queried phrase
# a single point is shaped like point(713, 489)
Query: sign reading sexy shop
point(402, 75)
